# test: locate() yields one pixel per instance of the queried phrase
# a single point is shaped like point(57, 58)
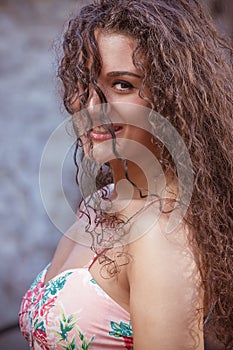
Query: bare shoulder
point(165, 290)
point(158, 254)
point(149, 234)
point(63, 249)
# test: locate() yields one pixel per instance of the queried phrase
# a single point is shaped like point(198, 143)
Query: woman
point(150, 91)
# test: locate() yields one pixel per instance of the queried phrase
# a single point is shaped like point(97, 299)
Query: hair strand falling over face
point(189, 74)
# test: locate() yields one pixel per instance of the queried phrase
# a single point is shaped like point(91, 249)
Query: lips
point(100, 133)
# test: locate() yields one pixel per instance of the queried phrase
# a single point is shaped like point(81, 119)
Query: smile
point(99, 133)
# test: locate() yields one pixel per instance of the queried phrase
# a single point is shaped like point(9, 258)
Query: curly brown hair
point(189, 74)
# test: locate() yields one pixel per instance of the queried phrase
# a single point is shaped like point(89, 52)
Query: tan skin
point(158, 287)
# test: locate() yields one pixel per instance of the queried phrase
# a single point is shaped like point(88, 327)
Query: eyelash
point(128, 86)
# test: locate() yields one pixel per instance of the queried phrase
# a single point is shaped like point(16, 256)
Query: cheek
point(141, 136)
point(82, 124)
point(134, 114)
point(145, 139)
point(75, 104)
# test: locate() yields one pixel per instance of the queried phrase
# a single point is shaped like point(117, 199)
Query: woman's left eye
point(122, 86)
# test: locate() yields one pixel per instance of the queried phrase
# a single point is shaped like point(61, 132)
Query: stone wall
point(30, 111)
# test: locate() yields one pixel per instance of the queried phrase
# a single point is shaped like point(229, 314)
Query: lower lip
point(102, 136)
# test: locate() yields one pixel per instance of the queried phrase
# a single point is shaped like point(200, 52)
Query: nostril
point(96, 93)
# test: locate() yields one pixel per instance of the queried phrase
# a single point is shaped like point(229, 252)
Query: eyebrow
point(117, 73)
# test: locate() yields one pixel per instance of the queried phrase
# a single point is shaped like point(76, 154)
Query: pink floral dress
point(71, 311)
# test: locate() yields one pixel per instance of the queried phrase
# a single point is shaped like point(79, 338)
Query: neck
point(132, 181)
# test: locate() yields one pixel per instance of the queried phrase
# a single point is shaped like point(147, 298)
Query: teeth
point(99, 129)
point(103, 130)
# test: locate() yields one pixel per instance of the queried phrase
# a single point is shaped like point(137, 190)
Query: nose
point(93, 99)
point(97, 105)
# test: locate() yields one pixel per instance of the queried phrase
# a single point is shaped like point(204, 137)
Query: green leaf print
point(93, 281)
point(38, 278)
point(55, 285)
point(70, 318)
point(121, 329)
point(85, 345)
point(67, 324)
point(116, 328)
point(73, 344)
point(70, 346)
point(38, 325)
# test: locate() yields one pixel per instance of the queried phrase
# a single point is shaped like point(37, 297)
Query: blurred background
point(30, 110)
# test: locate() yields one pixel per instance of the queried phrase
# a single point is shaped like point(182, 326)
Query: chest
point(109, 272)
point(72, 311)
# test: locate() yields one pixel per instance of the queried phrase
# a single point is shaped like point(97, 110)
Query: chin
point(101, 152)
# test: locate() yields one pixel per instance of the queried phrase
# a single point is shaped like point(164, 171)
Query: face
point(127, 113)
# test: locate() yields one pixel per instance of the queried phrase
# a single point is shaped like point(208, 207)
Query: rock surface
point(31, 109)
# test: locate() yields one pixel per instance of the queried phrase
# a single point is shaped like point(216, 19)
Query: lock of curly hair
point(189, 74)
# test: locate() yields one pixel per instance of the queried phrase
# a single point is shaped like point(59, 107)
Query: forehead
point(116, 50)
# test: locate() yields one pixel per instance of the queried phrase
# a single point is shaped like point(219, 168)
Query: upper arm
point(164, 293)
